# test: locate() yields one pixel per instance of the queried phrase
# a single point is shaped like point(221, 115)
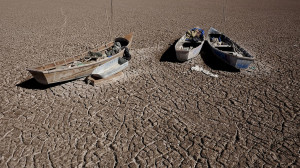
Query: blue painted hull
point(237, 62)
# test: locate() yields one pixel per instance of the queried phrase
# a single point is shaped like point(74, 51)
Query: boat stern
point(39, 76)
point(182, 55)
point(243, 63)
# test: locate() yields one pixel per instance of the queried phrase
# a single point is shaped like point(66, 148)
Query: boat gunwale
point(75, 67)
point(236, 56)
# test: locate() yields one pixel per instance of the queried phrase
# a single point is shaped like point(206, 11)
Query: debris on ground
point(200, 69)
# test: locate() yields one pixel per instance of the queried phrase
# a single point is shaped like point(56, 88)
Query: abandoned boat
point(190, 44)
point(110, 68)
point(228, 51)
point(81, 65)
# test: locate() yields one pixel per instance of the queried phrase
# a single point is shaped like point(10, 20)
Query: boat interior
point(188, 45)
point(81, 59)
point(220, 42)
point(124, 42)
point(224, 44)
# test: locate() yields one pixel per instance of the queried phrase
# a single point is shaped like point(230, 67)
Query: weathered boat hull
point(183, 54)
point(48, 74)
point(238, 61)
point(110, 68)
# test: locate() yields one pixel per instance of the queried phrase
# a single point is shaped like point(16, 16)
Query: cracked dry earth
point(159, 113)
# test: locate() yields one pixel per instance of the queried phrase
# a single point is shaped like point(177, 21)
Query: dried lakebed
point(160, 113)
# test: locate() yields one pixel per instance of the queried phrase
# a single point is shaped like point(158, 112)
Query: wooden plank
point(95, 82)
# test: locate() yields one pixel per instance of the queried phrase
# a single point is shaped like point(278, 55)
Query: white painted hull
point(110, 68)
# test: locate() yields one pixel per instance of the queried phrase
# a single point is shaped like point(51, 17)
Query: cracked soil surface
point(160, 113)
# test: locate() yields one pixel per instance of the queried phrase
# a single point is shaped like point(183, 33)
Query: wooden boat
point(77, 66)
point(228, 51)
point(110, 68)
point(186, 49)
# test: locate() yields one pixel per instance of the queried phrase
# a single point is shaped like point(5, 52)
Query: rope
point(111, 17)
point(107, 24)
point(224, 17)
point(110, 25)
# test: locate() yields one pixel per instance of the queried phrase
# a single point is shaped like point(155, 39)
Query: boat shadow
point(213, 62)
point(170, 55)
point(34, 85)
